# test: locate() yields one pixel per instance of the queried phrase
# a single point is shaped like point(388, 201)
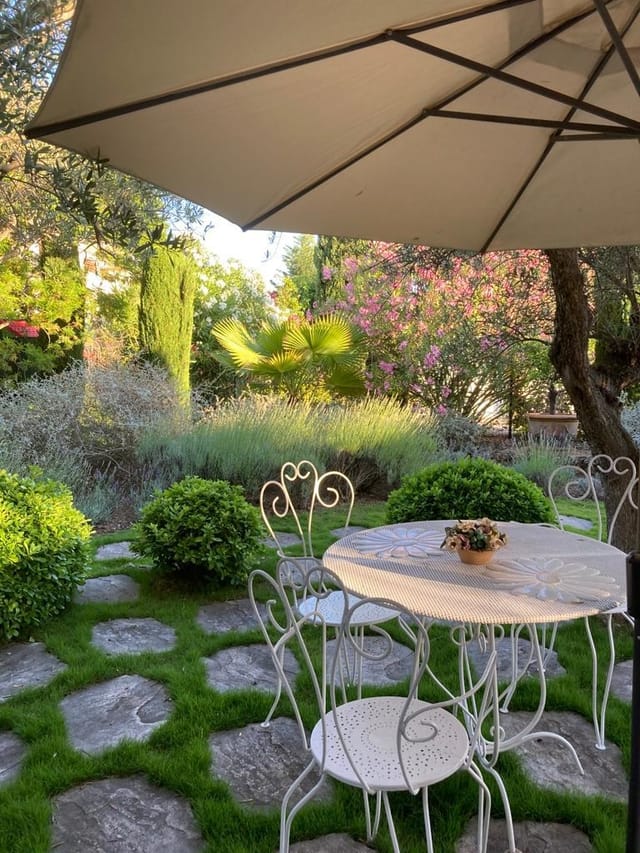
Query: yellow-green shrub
point(43, 551)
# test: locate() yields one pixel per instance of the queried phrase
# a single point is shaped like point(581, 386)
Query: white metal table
point(543, 575)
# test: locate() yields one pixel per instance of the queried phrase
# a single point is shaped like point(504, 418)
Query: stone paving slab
point(109, 589)
point(260, 763)
point(126, 708)
point(341, 532)
point(12, 753)
point(553, 669)
point(284, 540)
point(115, 551)
point(234, 615)
point(550, 763)
point(578, 523)
point(25, 665)
point(247, 668)
point(132, 636)
point(621, 681)
point(123, 815)
point(530, 838)
point(396, 663)
point(334, 843)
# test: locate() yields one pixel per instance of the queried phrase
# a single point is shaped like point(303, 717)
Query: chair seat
point(331, 610)
point(369, 728)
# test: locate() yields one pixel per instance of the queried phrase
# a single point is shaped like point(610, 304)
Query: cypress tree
point(166, 312)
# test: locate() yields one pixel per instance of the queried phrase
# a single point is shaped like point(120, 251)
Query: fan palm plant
point(297, 356)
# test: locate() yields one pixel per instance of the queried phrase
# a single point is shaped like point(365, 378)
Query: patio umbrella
point(459, 123)
point(476, 124)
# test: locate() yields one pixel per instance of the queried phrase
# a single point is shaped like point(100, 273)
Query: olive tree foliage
point(50, 197)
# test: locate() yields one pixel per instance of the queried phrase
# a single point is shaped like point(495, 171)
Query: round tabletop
point(542, 574)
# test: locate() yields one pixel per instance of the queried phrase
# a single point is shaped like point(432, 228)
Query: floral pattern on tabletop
point(399, 542)
point(553, 579)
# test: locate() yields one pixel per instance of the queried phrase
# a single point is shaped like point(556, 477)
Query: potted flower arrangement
point(475, 540)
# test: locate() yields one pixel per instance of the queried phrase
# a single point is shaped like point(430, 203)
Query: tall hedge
point(166, 312)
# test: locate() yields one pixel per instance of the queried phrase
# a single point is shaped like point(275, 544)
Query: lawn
point(177, 755)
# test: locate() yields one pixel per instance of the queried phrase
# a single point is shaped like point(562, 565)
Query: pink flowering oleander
point(478, 534)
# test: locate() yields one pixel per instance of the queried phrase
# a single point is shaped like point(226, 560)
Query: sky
point(253, 249)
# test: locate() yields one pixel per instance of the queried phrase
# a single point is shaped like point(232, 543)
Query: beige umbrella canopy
point(442, 122)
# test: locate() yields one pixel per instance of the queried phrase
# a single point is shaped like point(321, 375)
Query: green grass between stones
point(177, 755)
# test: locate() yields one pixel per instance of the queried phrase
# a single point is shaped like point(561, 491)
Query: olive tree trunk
point(590, 391)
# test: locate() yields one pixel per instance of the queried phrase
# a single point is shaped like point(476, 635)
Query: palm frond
point(234, 338)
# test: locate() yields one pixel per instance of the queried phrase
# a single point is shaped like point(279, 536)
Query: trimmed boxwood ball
point(471, 488)
point(203, 528)
point(44, 552)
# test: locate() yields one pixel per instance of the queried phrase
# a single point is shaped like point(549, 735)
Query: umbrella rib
point(360, 155)
point(545, 37)
point(555, 124)
point(39, 131)
point(511, 79)
point(623, 53)
point(556, 136)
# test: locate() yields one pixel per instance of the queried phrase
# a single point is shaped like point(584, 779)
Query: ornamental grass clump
point(201, 528)
point(43, 552)
point(480, 534)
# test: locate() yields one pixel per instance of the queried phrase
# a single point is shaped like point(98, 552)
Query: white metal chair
point(379, 744)
point(583, 484)
point(301, 485)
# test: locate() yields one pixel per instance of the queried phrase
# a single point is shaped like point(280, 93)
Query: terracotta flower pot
point(556, 426)
point(476, 558)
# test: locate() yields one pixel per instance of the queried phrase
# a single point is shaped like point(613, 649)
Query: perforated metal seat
point(379, 744)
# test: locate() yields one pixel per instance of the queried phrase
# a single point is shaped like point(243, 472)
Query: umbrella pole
point(633, 608)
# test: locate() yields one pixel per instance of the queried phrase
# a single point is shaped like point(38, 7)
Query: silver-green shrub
point(630, 417)
point(82, 426)
point(246, 441)
point(537, 458)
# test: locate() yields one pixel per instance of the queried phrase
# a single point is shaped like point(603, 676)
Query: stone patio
point(247, 668)
point(260, 763)
point(103, 715)
point(222, 616)
point(530, 838)
point(550, 763)
point(115, 551)
point(504, 654)
point(396, 665)
point(12, 753)
point(121, 816)
point(111, 589)
point(25, 665)
point(132, 636)
point(621, 682)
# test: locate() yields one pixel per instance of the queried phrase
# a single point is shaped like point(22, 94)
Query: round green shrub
point(471, 488)
point(201, 527)
point(43, 551)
